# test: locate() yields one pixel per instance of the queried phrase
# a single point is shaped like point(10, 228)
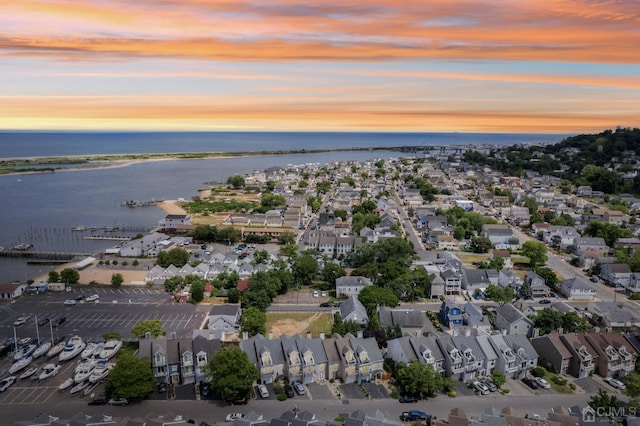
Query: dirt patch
point(291, 326)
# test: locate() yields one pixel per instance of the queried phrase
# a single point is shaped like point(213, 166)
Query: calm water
point(42, 208)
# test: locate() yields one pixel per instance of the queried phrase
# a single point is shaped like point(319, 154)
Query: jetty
point(137, 203)
point(43, 255)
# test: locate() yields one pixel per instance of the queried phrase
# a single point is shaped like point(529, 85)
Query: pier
point(43, 255)
point(107, 237)
point(137, 203)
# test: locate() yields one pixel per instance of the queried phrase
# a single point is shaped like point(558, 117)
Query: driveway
point(351, 391)
point(376, 391)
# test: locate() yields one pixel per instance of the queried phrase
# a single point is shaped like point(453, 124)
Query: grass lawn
point(558, 388)
point(291, 323)
point(469, 258)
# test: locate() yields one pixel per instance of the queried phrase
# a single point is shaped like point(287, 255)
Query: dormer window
point(159, 358)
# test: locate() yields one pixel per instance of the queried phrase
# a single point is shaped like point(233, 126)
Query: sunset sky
point(552, 66)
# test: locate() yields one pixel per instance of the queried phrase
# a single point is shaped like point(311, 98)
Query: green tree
point(480, 244)
point(69, 276)
point(253, 321)
point(610, 232)
point(197, 291)
point(289, 250)
point(117, 279)
point(232, 374)
point(260, 256)
point(603, 402)
point(151, 326)
point(236, 181)
point(173, 283)
point(331, 272)
point(550, 278)
point(315, 203)
point(499, 294)
point(287, 237)
point(304, 269)
point(419, 380)
point(536, 251)
point(372, 296)
point(323, 187)
point(176, 256)
point(233, 295)
point(632, 383)
point(498, 378)
point(131, 377)
point(54, 277)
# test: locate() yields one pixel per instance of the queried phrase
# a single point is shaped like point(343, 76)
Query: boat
point(72, 349)
point(41, 350)
point(87, 391)
point(48, 371)
point(88, 350)
point(24, 340)
point(28, 373)
point(86, 363)
point(56, 349)
point(20, 364)
point(100, 372)
point(83, 374)
point(111, 347)
point(99, 349)
point(79, 387)
point(65, 385)
point(79, 228)
point(25, 351)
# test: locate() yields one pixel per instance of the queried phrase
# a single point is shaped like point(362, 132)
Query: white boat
point(72, 349)
point(86, 363)
point(20, 364)
point(41, 350)
point(87, 391)
point(28, 373)
point(100, 372)
point(99, 349)
point(88, 350)
point(83, 374)
point(24, 351)
point(111, 347)
point(79, 387)
point(56, 349)
point(65, 385)
point(48, 371)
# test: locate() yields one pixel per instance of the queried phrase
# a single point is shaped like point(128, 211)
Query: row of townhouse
point(158, 275)
point(582, 354)
point(332, 245)
point(466, 357)
point(353, 359)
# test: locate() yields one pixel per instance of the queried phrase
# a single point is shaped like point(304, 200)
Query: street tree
point(131, 378)
point(253, 321)
point(602, 402)
point(287, 237)
point(176, 256)
point(69, 276)
point(419, 380)
point(480, 244)
point(499, 294)
point(232, 374)
point(289, 250)
point(372, 296)
point(536, 251)
point(117, 279)
point(150, 326)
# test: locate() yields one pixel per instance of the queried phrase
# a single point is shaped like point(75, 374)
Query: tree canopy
point(176, 256)
point(253, 321)
point(151, 326)
point(131, 377)
point(536, 251)
point(232, 374)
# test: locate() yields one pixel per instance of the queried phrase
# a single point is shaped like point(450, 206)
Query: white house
point(351, 285)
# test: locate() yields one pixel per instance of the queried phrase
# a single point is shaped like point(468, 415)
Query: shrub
point(558, 380)
point(538, 371)
point(452, 394)
point(282, 397)
point(505, 391)
point(339, 419)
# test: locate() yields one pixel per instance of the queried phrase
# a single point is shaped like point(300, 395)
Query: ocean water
point(25, 144)
point(41, 208)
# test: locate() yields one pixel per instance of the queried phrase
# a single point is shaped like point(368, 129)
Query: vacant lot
point(290, 323)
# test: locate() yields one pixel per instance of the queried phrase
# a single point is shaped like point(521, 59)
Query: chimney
point(173, 335)
point(321, 336)
point(309, 335)
point(360, 334)
point(147, 335)
point(271, 335)
point(245, 335)
point(560, 330)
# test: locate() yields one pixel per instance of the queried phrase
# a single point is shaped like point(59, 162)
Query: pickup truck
point(413, 415)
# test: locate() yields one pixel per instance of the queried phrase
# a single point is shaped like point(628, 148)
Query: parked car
point(162, 387)
point(205, 387)
point(263, 391)
point(615, 383)
point(315, 293)
point(43, 321)
point(413, 415)
point(326, 305)
point(233, 416)
point(481, 388)
point(92, 298)
point(594, 279)
point(20, 321)
point(288, 390)
point(542, 383)
point(238, 401)
point(299, 387)
point(531, 383)
point(408, 399)
point(7, 382)
point(118, 401)
point(59, 321)
point(70, 302)
point(544, 301)
point(100, 400)
point(490, 384)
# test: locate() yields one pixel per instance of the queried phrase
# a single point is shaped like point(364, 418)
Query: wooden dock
point(43, 255)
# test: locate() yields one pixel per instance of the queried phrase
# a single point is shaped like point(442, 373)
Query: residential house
point(446, 242)
point(526, 355)
point(537, 285)
point(224, 318)
point(350, 285)
point(267, 355)
point(142, 246)
point(554, 354)
point(511, 321)
point(203, 348)
point(173, 359)
point(9, 291)
point(478, 279)
point(474, 317)
point(489, 354)
point(612, 315)
point(410, 321)
point(616, 356)
point(368, 357)
point(584, 357)
point(353, 310)
point(437, 286)
point(424, 350)
point(472, 356)
point(507, 278)
point(450, 313)
point(501, 236)
point(348, 368)
point(452, 282)
point(577, 289)
point(187, 361)
point(616, 274)
point(454, 365)
point(507, 361)
point(173, 221)
point(505, 255)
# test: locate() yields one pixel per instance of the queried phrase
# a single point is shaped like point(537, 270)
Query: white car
point(20, 321)
point(615, 383)
point(92, 298)
point(7, 382)
point(263, 391)
point(70, 302)
point(234, 416)
point(481, 388)
point(542, 383)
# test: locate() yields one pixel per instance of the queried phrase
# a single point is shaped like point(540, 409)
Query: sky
point(549, 66)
